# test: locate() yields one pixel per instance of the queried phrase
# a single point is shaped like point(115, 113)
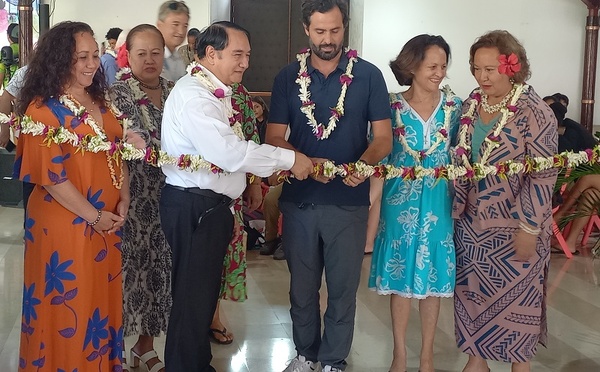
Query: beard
point(319, 52)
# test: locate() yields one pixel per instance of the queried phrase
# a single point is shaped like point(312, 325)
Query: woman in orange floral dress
point(72, 297)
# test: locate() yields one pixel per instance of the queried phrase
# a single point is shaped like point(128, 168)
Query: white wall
point(552, 31)
point(220, 10)
point(104, 14)
point(355, 31)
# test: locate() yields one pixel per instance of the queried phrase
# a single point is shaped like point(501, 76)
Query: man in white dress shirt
point(173, 19)
point(194, 205)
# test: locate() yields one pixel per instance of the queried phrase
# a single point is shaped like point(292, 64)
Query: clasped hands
point(304, 167)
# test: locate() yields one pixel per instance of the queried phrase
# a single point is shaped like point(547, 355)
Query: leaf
point(101, 255)
point(67, 332)
point(71, 294)
point(57, 300)
point(104, 349)
point(93, 356)
point(39, 362)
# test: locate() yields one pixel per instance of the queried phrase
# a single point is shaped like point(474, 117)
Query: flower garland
point(81, 114)
point(126, 151)
point(142, 100)
point(308, 107)
point(492, 140)
point(441, 135)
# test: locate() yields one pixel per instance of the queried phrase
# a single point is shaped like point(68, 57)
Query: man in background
point(173, 19)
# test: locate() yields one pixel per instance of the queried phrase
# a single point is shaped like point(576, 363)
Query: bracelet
point(97, 219)
point(529, 230)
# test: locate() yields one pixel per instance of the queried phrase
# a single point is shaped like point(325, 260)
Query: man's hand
point(303, 166)
point(253, 196)
point(320, 178)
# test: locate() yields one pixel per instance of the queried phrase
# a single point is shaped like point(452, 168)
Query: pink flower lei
point(320, 130)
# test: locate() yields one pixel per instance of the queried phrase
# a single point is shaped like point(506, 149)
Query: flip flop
point(223, 333)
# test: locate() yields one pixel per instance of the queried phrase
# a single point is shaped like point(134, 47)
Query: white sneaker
point(331, 369)
point(300, 364)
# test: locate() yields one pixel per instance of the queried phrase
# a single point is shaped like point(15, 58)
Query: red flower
point(345, 79)
point(460, 151)
point(305, 50)
point(319, 131)
point(476, 96)
point(466, 121)
point(399, 131)
point(352, 54)
point(450, 103)
point(396, 105)
point(219, 93)
point(444, 132)
point(509, 65)
point(512, 108)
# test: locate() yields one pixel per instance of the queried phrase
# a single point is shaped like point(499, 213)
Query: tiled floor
point(262, 324)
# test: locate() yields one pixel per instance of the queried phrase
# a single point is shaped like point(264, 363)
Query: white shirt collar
point(218, 83)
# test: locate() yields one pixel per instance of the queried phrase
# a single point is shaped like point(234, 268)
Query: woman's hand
point(108, 222)
point(135, 139)
point(122, 209)
point(525, 245)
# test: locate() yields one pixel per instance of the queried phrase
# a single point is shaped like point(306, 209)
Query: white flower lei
point(441, 135)
point(491, 141)
point(195, 69)
point(141, 99)
point(308, 107)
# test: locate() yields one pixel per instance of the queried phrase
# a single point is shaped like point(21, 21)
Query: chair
point(594, 221)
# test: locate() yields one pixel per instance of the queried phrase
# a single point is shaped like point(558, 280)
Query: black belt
point(204, 192)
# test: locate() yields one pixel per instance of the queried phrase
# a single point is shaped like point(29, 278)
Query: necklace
point(441, 135)
point(491, 109)
point(492, 140)
point(151, 87)
point(143, 101)
point(195, 69)
point(81, 113)
point(308, 107)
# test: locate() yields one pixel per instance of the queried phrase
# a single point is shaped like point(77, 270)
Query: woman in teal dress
point(413, 255)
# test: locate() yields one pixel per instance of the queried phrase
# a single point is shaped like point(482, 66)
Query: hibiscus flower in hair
point(509, 65)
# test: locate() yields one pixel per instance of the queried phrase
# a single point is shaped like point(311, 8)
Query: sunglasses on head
point(175, 5)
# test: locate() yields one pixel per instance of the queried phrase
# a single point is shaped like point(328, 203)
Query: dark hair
point(322, 6)
point(13, 32)
point(260, 101)
point(113, 33)
point(51, 64)
point(561, 97)
point(506, 44)
point(216, 36)
point(142, 28)
point(412, 55)
point(193, 32)
point(559, 111)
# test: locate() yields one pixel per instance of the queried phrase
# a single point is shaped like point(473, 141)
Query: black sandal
point(214, 331)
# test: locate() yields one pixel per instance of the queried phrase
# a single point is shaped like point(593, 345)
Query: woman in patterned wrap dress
point(140, 93)
point(503, 222)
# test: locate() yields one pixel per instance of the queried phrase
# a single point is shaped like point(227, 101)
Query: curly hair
point(51, 67)
point(506, 44)
point(412, 55)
